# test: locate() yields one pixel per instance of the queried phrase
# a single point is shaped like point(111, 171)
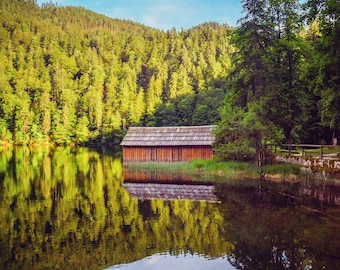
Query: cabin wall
point(166, 154)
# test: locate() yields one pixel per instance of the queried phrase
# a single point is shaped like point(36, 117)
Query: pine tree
point(327, 65)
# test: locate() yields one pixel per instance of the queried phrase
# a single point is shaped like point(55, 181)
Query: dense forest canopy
point(69, 75)
point(285, 82)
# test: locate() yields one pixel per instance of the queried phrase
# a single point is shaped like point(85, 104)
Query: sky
point(163, 14)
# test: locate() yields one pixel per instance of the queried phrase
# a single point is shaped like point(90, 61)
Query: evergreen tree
point(264, 85)
point(251, 82)
point(289, 101)
point(326, 82)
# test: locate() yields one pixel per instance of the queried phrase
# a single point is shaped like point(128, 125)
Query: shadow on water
point(69, 208)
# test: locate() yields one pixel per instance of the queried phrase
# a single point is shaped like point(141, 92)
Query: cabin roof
point(169, 136)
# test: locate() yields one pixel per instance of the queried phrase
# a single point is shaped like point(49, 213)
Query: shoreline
point(218, 171)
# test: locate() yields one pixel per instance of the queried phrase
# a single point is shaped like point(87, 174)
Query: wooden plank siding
point(166, 154)
point(168, 144)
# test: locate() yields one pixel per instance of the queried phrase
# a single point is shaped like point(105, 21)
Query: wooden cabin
point(168, 144)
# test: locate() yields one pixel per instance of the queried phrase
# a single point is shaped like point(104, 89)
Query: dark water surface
point(69, 208)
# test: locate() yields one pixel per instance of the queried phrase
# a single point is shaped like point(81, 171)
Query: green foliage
point(239, 150)
point(242, 132)
point(82, 130)
point(325, 68)
point(201, 170)
point(69, 75)
point(63, 65)
point(276, 92)
point(216, 166)
point(201, 109)
point(5, 134)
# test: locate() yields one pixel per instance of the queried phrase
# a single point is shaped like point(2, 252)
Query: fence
point(311, 150)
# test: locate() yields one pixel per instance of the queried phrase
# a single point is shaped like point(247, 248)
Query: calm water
point(69, 208)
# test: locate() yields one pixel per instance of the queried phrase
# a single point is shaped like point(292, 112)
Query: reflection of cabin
point(168, 144)
point(132, 175)
point(148, 191)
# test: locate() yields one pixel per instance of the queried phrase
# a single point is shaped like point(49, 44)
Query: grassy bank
point(210, 170)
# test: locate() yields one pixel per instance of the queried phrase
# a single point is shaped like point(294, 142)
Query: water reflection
point(67, 208)
point(135, 175)
point(179, 262)
point(149, 191)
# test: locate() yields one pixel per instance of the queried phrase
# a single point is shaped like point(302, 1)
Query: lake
point(71, 208)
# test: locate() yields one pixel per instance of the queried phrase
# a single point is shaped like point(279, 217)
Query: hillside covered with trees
point(69, 75)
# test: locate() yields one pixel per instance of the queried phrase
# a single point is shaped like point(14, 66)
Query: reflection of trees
point(66, 208)
point(183, 226)
point(274, 231)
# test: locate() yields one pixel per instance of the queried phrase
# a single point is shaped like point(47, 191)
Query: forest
point(71, 76)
